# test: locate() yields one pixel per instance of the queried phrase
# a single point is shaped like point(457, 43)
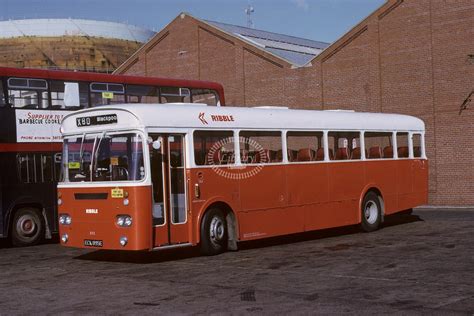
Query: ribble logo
point(202, 119)
point(215, 118)
point(92, 211)
point(222, 118)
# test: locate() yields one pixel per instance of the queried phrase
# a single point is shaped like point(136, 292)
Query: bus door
point(168, 174)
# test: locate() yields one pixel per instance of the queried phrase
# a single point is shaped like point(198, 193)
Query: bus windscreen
point(106, 157)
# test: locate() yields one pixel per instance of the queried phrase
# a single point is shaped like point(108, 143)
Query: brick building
point(409, 56)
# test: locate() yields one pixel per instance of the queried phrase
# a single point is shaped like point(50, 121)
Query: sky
point(321, 20)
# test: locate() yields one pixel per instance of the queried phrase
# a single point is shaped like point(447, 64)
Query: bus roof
point(100, 77)
point(196, 116)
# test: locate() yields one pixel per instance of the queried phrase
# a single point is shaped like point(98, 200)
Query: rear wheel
point(371, 212)
point(27, 227)
point(213, 233)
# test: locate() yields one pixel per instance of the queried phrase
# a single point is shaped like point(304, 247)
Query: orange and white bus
point(147, 177)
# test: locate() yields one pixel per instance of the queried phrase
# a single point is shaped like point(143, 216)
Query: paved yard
point(420, 263)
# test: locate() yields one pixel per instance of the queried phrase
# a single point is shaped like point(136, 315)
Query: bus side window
point(27, 168)
point(205, 96)
point(344, 145)
point(416, 145)
point(402, 144)
point(57, 88)
point(35, 168)
point(260, 146)
point(308, 146)
point(142, 94)
point(57, 167)
point(28, 93)
point(46, 168)
point(378, 145)
point(2, 94)
point(213, 147)
point(106, 93)
point(175, 95)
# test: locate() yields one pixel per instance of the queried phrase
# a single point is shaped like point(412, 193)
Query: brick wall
point(409, 56)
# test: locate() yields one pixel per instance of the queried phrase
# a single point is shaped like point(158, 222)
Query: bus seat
point(292, 155)
point(264, 156)
point(244, 156)
point(320, 154)
point(216, 158)
point(270, 155)
point(198, 157)
point(388, 152)
point(356, 153)
point(305, 154)
point(331, 154)
point(375, 152)
point(416, 152)
point(342, 153)
point(403, 152)
point(279, 155)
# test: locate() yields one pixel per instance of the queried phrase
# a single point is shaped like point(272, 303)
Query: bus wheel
point(213, 233)
point(27, 227)
point(371, 212)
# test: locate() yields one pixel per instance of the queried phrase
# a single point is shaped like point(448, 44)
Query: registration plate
point(93, 243)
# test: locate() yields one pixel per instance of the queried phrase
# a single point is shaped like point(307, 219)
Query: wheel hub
point(26, 226)
point(371, 212)
point(217, 230)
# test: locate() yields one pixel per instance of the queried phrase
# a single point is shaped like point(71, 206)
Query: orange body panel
point(101, 225)
point(292, 198)
point(278, 199)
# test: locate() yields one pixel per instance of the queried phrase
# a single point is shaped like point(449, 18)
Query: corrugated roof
point(297, 51)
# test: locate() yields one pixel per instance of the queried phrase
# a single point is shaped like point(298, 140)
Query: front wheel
point(371, 212)
point(213, 233)
point(27, 227)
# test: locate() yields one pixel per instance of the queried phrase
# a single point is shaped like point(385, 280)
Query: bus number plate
point(96, 120)
point(93, 243)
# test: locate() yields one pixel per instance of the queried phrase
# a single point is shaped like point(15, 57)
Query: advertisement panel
point(36, 126)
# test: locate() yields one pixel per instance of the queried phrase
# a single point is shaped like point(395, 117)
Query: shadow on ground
point(191, 252)
point(6, 242)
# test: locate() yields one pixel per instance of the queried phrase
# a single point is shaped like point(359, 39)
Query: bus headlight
point(123, 241)
point(124, 220)
point(65, 219)
point(64, 238)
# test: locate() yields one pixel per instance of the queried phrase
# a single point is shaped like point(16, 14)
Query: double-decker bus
point(149, 177)
point(32, 104)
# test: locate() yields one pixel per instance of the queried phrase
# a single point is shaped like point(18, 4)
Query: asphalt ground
point(416, 264)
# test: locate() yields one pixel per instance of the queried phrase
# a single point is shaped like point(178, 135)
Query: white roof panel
point(197, 116)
